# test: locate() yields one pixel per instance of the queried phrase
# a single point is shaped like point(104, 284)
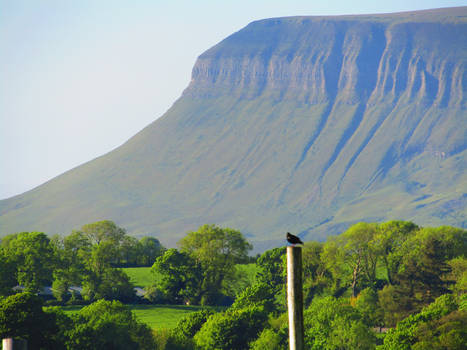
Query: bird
point(293, 239)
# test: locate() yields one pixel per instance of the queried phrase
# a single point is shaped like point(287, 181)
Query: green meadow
point(143, 277)
point(155, 316)
point(167, 316)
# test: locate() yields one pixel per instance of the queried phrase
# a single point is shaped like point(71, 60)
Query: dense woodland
point(391, 285)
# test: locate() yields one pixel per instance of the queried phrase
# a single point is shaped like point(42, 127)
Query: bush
point(259, 294)
point(331, 324)
point(268, 339)
point(231, 330)
point(367, 305)
point(21, 316)
point(108, 325)
point(405, 335)
point(181, 337)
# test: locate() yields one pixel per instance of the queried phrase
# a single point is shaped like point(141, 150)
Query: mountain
point(300, 124)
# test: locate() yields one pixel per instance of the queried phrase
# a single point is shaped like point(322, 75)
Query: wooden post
point(295, 297)
point(14, 344)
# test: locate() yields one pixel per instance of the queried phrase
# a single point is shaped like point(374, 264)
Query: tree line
point(86, 258)
point(394, 276)
point(392, 285)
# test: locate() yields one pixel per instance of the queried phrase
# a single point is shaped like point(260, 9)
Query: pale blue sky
point(80, 77)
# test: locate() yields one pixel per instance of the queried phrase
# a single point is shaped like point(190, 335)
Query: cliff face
point(304, 124)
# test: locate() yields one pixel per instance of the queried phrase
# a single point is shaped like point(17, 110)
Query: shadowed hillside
point(301, 124)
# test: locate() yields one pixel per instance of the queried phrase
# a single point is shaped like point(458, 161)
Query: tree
point(7, 274)
point(459, 275)
point(272, 268)
point(77, 241)
point(181, 277)
point(388, 240)
point(217, 250)
point(259, 294)
point(33, 257)
point(109, 284)
point(71, 254)
point(393, 305)
point(128, 252)
point(408, 331)
point(101, 280)
point(21, 316)
point(105, 230)
point(269, 339)
point(422, 273)
point(333, 257)
point(108, 325)
point(354, 250)
point(232, 330)
point(316, 277)
point(448, 332)
point(150, 249)
point(331, 324)
point(181, 337)
point(367, 305)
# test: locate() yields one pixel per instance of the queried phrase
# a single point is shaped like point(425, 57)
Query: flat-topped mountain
point(300, 124)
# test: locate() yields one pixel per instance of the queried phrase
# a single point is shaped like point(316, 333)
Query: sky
point(79, 78)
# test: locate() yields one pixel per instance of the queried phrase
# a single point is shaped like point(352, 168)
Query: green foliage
point(217, 250)
point(458, 268)
point(182, 335)
point(33, 258)
point(447, 332)
point(388, 241)
point(317, 278)
point(108, 283)
point(232, 330)
point(150, 249)
point(103, 231)
point(244, 276)
point(259, 294)
point(60, 289)
point(406, 332)
point(272, 267)
point(268, 339)
point(393, 305)
point(7, 274)
point(368, 306)
point(353, 256)
point(330, 324)
point(275, 335)
point(87, 257)
point(21, 316)
point(423, 265)
point(417, 265)
point(189, 325)
point(181, 277)
point(108, 325)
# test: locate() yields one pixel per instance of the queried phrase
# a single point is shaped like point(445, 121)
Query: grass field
point(156, 316)
point(141, 276)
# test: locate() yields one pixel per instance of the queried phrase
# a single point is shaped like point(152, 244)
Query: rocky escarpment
point(313, 59)
point(302, 124)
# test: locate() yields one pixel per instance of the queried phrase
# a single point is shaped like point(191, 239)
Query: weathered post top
point(295, 297)
point(14, 344)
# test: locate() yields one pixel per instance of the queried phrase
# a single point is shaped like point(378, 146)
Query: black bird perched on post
point(293, 239)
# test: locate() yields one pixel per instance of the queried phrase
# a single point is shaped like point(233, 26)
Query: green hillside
point(301, 124)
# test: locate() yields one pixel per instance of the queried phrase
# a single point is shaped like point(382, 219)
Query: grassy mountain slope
point(303, 124)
